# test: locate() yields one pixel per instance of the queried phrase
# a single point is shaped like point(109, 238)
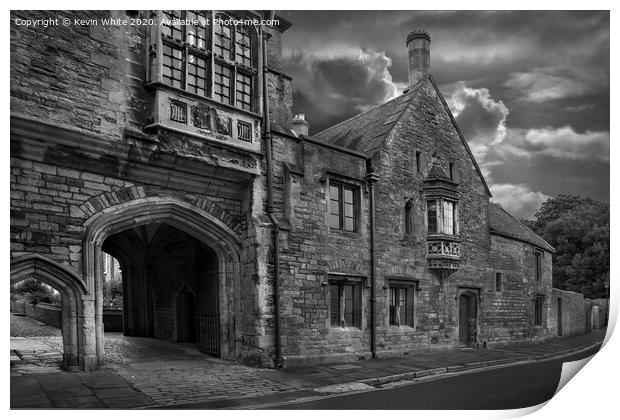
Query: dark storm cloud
point(337, 88)
point(529, 88)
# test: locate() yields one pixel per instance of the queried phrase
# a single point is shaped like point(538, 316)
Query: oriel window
point(215, 61)
point(441, 216)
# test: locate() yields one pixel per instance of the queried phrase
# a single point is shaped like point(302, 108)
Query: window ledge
point(345, 233)
point(344, 329)
point(443, 236)
point(401, 328)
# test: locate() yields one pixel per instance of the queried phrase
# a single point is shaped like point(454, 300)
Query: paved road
point(504, 388)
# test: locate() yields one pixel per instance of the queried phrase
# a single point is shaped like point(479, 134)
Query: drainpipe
point(371, 178)
point(270, 208)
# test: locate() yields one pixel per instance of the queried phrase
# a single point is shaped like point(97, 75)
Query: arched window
point(205, 54)
point(409, 217)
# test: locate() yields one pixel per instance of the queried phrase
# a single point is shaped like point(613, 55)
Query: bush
point(33, 291)
point(30, 286)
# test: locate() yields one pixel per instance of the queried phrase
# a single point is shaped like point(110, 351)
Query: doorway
point(169, 279)
point(468, 319)
point(186, 316)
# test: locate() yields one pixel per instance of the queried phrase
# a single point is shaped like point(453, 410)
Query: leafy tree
point(32, 291)
point(578, 229)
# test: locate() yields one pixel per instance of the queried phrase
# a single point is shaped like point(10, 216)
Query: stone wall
point(46, 313)
point(399, 254)
point(510, 314)
point(80, 105)
point(311, 251)
point(598, 315)
point(573, 317)
point(82, 76)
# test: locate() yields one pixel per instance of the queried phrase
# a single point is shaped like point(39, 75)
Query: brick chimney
point(419, 46)
point(300, 125)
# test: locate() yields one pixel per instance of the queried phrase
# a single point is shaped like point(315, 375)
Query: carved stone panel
point(178, 111)
point(201, 117)
point(223, 125)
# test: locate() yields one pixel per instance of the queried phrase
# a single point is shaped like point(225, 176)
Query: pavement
point(149, 373)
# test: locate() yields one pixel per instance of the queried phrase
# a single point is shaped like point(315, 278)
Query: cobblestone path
point(167, 373)
point(35, 347)
point(170, 373)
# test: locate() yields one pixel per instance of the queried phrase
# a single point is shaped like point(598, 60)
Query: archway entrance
point(170, 279)
point(468, 319)
point(76, 348)
point(164, 241)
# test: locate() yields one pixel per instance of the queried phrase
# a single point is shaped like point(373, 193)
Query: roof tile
point(502, 223)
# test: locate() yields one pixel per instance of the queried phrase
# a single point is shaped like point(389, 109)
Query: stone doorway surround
point(78, 325)
point(468, 307)
point(185, 217)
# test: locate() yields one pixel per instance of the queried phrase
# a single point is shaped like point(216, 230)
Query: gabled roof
point(502, 223)
point(367, 131)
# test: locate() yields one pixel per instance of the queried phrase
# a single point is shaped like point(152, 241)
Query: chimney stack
point(300, 125)
point(419, 46)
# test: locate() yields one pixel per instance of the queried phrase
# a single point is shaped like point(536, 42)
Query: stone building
point(172, 148)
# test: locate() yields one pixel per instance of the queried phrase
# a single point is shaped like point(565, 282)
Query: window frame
point(538, 265)
point(439, 221)
point(245, 69)
point(340, 284)
point(394, 289)
point(539, 301)
point(355, 193)
point(499, 280)
point(409, 211)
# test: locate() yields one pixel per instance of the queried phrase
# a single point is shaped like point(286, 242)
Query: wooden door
point(468, 319)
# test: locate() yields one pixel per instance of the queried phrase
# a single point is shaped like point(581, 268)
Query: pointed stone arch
point(77, 331)
point(108, 199)
point(185, 216)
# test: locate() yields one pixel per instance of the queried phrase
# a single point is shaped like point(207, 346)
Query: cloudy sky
point(530, 90)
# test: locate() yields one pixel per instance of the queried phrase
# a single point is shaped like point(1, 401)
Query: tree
point(578, 229)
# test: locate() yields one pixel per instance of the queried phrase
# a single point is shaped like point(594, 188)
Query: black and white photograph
point(307, 209)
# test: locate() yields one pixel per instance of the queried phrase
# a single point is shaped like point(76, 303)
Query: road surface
point(502, 388)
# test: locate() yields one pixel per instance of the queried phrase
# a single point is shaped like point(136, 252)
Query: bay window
point(214, 61)
point(442, 217)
